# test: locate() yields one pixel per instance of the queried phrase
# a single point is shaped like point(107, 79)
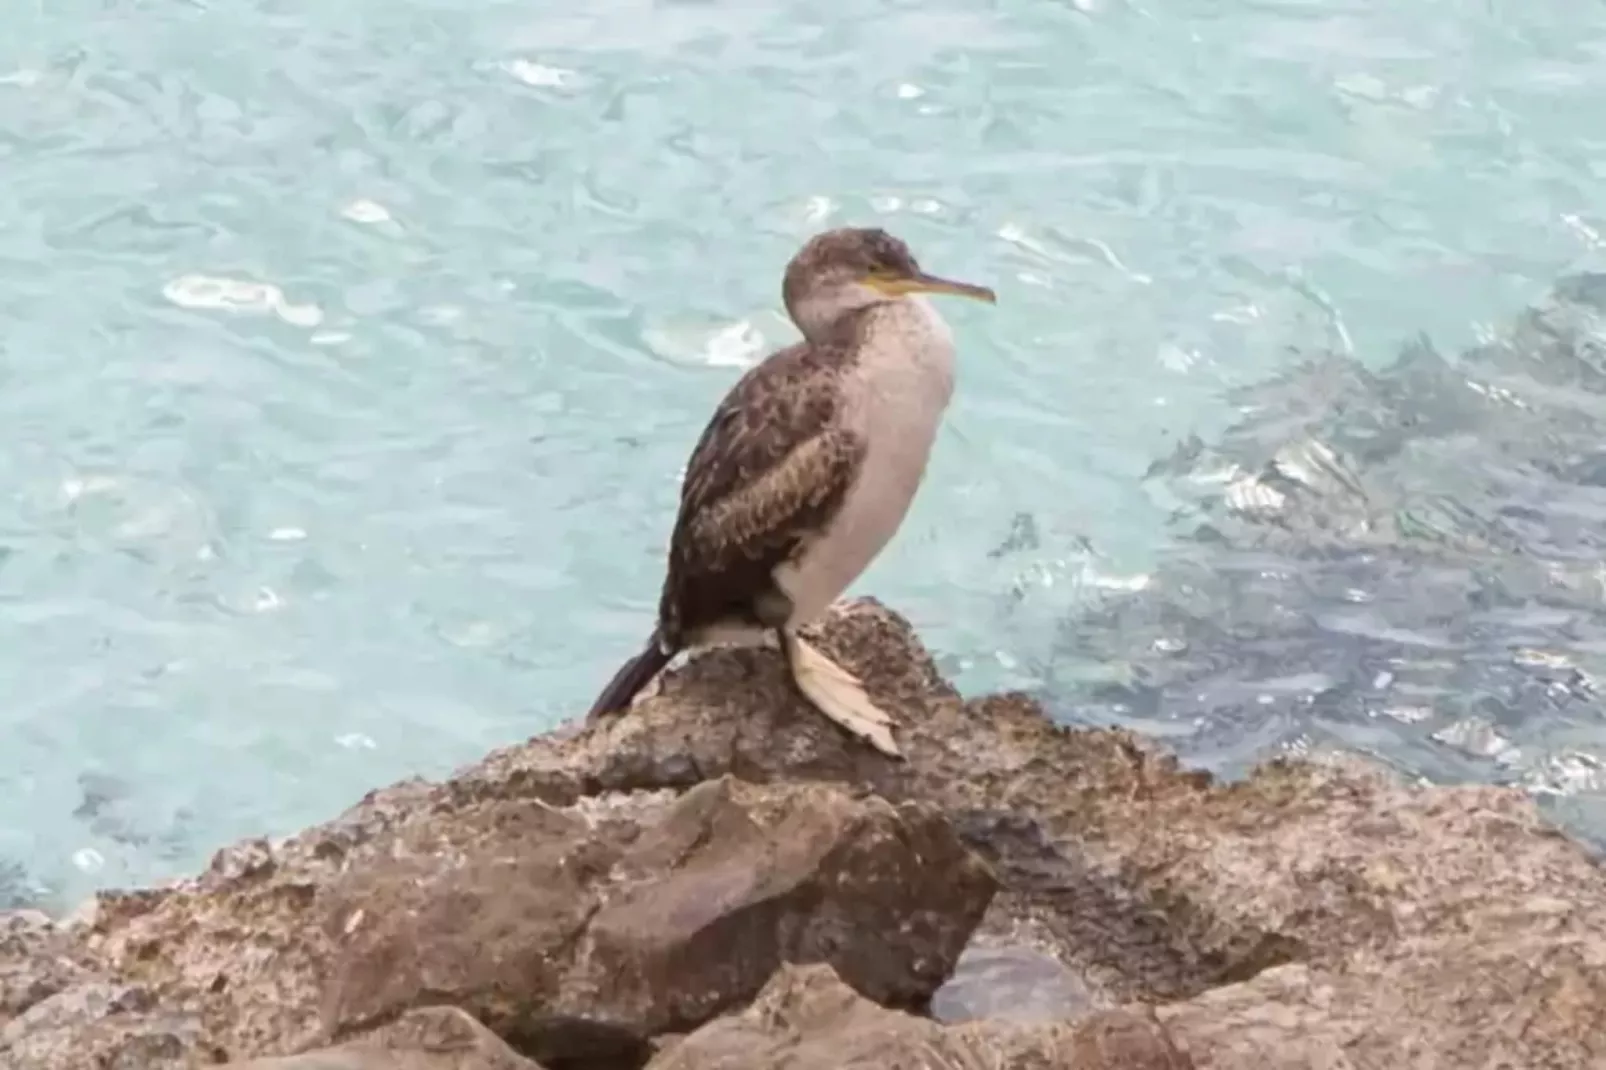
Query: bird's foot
point(838, 694)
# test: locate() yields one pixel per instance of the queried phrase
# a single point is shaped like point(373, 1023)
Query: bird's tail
point(632, 676)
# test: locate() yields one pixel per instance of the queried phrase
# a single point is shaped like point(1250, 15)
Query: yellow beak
point(897, 286)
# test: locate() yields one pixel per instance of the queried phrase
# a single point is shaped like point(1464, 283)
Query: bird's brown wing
point(770, 469)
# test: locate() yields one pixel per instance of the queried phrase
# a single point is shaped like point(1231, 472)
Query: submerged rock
point(1402, 560)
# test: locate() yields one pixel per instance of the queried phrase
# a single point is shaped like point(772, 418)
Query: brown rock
point(584, 938)
point(56, 1003)
point(807, 1019)
point(37, 961)
point(1309, 916)
point(1454, 1001)
point(102, 1024)
point(1421, 903)
point(574, 931)
point(1010, 981)
point(430, 1038)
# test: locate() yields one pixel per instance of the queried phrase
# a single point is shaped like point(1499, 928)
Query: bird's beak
point(921, 283)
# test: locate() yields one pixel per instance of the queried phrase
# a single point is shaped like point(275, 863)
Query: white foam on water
point(365, 211)
point(241, 296)
point(732, 345)
point(539, 74)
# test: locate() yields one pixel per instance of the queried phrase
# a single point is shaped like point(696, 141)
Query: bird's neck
point(912, 316)
point(906, 355)
point(911, 325)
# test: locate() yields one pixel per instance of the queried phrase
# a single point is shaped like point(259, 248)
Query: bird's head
point(842, 271)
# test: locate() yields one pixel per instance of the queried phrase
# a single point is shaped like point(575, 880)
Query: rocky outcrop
point(605, 896)
point(577, 927)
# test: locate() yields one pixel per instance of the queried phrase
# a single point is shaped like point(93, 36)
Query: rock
point(590, 895)
point(1450, 1002)
point(610, 932)
point(37, 961)
point(1157, 884)
point(575, 931)
point(122, 1025)
point(56, 1001)
point(430, 1038)
point(807, 1019)
point(993, 980)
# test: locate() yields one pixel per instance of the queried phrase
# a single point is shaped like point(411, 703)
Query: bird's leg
point(827, 686)
point(837, 693)
point(771, 610)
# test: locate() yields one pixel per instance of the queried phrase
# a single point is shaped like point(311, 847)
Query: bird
point(806, 470)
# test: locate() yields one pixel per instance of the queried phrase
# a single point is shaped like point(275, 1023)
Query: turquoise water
point(351, 351)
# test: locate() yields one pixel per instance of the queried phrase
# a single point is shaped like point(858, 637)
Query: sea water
point(351, 352)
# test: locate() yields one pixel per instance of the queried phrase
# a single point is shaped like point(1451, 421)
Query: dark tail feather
point(634, 675)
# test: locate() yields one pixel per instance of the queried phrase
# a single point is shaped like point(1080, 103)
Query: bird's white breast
point(894, 398)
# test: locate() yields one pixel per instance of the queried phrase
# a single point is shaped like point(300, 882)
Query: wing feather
point(770, 468)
